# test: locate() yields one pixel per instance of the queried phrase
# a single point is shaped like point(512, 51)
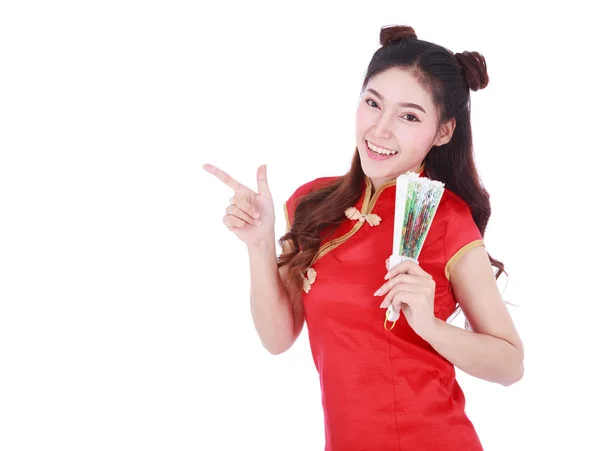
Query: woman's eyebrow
point(406, 104)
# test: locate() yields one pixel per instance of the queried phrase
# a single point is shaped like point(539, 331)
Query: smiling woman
point(368, 111)
point(397, 128)
point(413, 116)
point(388, 389)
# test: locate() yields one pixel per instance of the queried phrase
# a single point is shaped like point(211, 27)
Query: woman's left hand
point(411, 290)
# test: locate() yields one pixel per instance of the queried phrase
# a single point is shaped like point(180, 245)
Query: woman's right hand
point(249, 215)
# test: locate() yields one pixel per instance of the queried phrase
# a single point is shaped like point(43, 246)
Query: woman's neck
point(378, 182)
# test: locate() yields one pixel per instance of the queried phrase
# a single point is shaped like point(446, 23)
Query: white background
point(124, 300)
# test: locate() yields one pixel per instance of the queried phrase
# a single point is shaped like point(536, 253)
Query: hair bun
point(475, 69)
point(396, 33)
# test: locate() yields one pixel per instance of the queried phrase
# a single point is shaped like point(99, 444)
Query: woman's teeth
point(380, 150)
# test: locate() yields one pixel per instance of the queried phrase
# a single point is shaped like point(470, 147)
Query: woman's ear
point(445, 132)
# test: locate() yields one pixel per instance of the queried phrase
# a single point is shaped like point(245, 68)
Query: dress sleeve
point(288, 215)
point(462, 235)
point(289, 207)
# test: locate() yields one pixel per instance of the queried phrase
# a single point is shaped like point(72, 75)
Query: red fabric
point(291, 203)
point(385, 390)
point(461, 228)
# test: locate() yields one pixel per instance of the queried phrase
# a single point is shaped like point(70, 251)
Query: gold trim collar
point(370, 201)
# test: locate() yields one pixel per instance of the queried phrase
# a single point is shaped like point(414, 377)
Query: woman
point(388, 389)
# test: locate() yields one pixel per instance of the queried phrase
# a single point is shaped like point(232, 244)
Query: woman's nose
point(382, 128)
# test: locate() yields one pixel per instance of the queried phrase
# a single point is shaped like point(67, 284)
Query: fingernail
point(387, 276)
point(377, 293)
point(382, 305)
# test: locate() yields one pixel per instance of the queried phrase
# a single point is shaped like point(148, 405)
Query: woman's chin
point(374, 173)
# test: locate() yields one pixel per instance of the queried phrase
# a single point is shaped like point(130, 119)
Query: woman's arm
point(277, 324)
point(493, 350)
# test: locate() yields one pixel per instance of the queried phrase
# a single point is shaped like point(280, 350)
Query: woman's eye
point(415, 118)
point(373, 104)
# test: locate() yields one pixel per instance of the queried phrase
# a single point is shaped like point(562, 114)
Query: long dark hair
point(449, 78)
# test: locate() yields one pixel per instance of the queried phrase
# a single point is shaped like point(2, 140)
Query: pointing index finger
point(224, 177)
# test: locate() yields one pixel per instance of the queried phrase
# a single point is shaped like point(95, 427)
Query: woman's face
point(396, 114)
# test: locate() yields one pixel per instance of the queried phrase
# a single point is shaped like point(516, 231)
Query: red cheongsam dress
point(384, 390)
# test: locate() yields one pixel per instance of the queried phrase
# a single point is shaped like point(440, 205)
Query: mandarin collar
point(371, 197)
